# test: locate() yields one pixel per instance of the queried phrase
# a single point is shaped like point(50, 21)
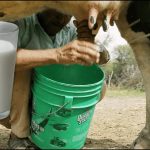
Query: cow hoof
point(136, 145)
point(142, 142)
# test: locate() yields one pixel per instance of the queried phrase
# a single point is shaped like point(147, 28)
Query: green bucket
point(64, 99)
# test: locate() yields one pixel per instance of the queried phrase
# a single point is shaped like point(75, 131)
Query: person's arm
point(27, 59)
point(75, 52)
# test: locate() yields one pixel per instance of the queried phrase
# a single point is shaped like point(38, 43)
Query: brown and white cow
point(12, 10)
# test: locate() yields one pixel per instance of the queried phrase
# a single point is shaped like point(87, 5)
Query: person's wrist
point(53, 56)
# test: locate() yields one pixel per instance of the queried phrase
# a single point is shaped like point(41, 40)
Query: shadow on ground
point(103, 143)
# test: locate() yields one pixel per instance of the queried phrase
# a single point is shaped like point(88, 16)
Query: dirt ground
point(116, 123)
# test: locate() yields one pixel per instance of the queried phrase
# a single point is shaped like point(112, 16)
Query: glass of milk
point(8, 46)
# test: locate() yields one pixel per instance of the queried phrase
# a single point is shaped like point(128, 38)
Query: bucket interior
point(72, 74)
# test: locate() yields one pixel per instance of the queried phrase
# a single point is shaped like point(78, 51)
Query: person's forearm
point(75, 52)
point(27, 59)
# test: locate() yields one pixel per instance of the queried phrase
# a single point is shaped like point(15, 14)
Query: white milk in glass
point(8, 46)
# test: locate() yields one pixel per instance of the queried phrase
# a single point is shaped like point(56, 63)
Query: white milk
point(8, 46)
point(7, 65)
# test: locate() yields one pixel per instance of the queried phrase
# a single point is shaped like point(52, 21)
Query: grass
point(124, 92)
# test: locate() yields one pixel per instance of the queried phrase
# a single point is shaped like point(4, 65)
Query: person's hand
point(78, 52)
point(85, 34)
point(83, 31)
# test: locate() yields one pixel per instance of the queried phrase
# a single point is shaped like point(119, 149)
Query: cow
point(104, 13)
point(137, 35)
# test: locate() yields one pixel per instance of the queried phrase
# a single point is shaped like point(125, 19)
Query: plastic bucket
point(64, 99)
point(8, 46)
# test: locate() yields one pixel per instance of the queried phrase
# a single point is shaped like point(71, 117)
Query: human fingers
point(79, 58)
point(87, 39)
point(88, 53)
point(91, 46)
point(84, 62)
point(85, 59)
point(83, 47)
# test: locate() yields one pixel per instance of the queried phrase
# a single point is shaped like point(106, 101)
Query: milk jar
point(8, 46)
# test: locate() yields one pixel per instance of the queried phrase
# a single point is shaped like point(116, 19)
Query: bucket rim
point(36, 81)
point(71, 85)
point(63, 95)
point(73, 107)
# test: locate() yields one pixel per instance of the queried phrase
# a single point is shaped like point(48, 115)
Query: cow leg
point(142, 55)
point(141, 49)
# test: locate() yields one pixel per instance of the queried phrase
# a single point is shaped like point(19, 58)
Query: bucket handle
point(68, 100)
point(50, 113)
point(67, 105)
point(43, 122)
